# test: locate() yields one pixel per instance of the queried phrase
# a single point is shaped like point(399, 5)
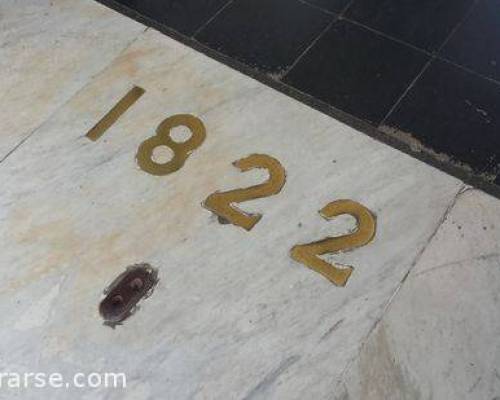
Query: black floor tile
point(454, 113)
point(330, 5)
point(357, 71)
point(476, 44)
point(423, 23)
point(184, 16)
point(265, 34)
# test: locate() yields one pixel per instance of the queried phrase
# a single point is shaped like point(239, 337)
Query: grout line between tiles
point(341, 12)
point(385, 35)
point(347, 6)
point(317, 7)
point(403, 95)
point(306, 50)
point(457, 26)
point(434, 56)
point(468, 70)
point(322, 33)
point(217, 13)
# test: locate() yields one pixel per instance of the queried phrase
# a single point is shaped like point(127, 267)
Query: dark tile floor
point(424, 75)
point(476, 44)
point(348, 68)
point(184, 16)
point(330, 5)
point(455, 114)
point(257, 33)
point(422, 23)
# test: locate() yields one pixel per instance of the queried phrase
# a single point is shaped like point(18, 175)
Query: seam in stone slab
point(463, 189)
point(71, 97)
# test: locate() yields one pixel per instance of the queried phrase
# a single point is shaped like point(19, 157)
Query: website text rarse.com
point(16, 380)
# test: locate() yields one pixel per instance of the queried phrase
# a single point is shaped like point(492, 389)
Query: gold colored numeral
point(220, 203)
point(182, 150)
point(307, 254)
point(116, 112)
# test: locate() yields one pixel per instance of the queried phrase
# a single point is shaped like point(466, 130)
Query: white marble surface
point(49, 49)
point(233, 315)
point(439, 338)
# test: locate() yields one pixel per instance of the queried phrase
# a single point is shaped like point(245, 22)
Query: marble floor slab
point(49, 49)
point(439, 337)
point(233, 315)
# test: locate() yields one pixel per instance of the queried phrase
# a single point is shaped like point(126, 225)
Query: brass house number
point(224, 204)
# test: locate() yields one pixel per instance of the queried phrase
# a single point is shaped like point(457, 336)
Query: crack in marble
point(482, 257)
point(462, 189)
